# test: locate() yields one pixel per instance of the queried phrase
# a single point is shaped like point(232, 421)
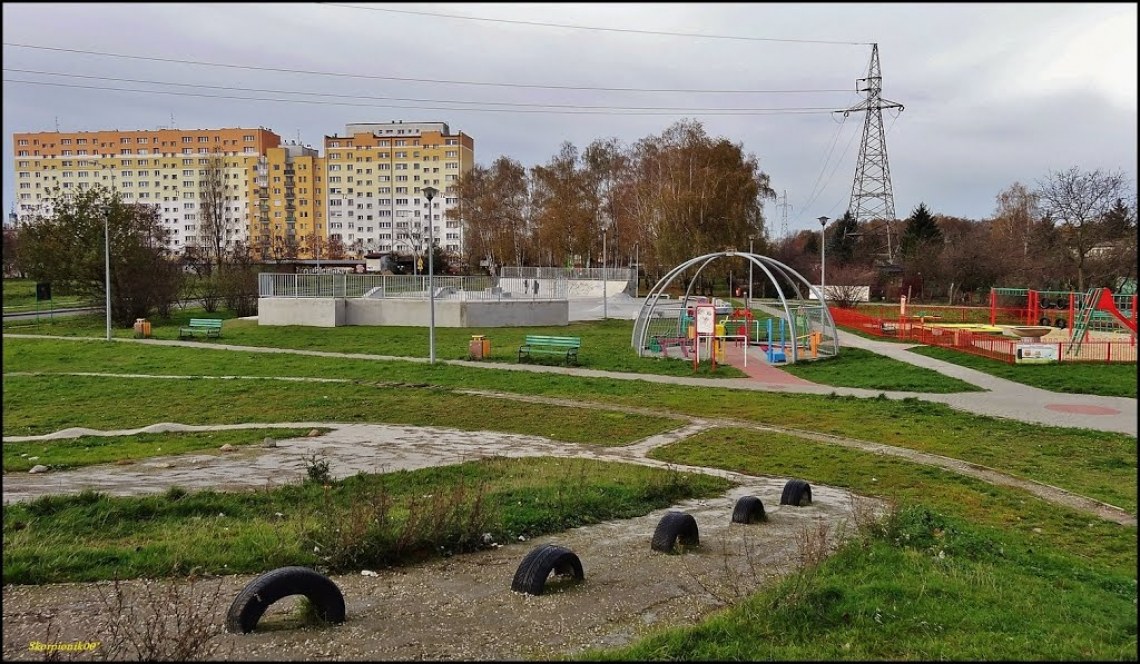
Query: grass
point(40, 405)
point(333, 527)
point(966, 571)
point(1109, 380)
point(962, 571)
point(1007, 514)
point(605, 346)
point(90, 450)
point(1094, 463)
point(20, 296)
point(924, 587)
point(855, 367)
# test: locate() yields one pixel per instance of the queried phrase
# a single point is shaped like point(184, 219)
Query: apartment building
point(166, 168)
point(281, 199)
point(375, 176)
point(288, 190)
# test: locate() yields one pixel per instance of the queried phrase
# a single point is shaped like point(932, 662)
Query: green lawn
point(1109, 380)
point(962, 571)
point(605, 346)
point(360, 522)
point(20, 296)
point(1095, 463)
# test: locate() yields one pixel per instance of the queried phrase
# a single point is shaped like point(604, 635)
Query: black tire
point(259, 594)
point(749, 509)
point(535, 568)
point(1046, 304)
point(1059, 323)
point(1044, 321)
point(797, 493)
point(675, 526)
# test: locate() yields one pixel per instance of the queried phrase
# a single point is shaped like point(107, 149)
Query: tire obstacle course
point(531, 577)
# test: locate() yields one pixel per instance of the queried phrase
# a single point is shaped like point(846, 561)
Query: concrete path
point(1002, 398)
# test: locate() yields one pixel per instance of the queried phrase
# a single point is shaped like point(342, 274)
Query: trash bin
point(142, 328)
point(480, 347)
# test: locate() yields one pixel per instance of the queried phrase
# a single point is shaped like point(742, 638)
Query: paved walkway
point(1001, 398)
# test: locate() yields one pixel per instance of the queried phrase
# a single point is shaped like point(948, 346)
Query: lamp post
point(107, 255)
point(822, 260)
point(605, 300)
point(636, 267)
point(748, 301)
point(430, 192)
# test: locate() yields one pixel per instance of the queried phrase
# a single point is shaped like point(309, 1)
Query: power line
point(413, 99)
point(428, 108)
point(544, 24)
point(202, 63)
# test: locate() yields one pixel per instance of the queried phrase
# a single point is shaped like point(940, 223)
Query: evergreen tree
point(921, 232)
point(841, 243)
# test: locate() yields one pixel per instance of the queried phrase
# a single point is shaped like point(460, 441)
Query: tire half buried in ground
point(796, 492)
point(535, 568)
point(675, 526)
point(259, 594)
point(749, 509)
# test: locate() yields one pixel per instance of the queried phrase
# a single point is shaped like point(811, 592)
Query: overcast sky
point(993, 93)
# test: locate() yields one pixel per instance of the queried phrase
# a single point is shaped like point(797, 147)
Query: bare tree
point(1080, 201)
point(216, 213)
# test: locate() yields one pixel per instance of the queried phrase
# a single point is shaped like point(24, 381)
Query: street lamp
point(605, 300)
point(748, 302)
point(636, 267)
point(822, 259)
point(430, 192)
point(107, 254)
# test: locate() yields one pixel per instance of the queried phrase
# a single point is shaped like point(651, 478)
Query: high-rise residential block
point(190, 175)
point(376, 175)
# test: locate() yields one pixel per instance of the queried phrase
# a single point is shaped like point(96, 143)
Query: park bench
point(210, 327)
point(535, 344)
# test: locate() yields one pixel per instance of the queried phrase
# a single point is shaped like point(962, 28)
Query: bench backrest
point(206, 322)
point(567, 342)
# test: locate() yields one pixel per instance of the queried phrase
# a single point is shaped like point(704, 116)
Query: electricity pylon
point(871, 194)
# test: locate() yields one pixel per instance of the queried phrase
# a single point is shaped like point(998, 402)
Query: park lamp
point(430, 193)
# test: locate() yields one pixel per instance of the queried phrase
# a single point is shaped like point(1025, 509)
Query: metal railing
point(379, 286)
point(609, 273)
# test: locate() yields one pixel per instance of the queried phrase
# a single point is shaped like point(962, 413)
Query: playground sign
point(1036, 353)
point(706, 319)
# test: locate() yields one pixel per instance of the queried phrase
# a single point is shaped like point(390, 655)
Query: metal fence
point(592, 273)
point(376, 286)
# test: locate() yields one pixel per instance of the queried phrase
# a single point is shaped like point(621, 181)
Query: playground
point(1066, 326)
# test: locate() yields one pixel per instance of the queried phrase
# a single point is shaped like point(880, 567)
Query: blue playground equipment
point(775, 354)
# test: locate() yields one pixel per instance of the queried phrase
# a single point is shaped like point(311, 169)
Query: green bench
point(209, 327)
point(536, 344)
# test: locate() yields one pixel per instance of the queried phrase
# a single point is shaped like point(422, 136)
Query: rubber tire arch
point(749, 509)
point(259, 594)
point(797, 493)
point(672, 527)
point(535, 568)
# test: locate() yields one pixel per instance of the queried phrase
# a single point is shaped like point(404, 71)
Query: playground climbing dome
point(663, 322)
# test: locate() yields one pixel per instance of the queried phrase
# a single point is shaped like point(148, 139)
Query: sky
point(993, 94)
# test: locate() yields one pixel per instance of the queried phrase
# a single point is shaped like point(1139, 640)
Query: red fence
point(992, 346)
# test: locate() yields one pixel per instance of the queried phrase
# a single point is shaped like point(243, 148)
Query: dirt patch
point(462, 607)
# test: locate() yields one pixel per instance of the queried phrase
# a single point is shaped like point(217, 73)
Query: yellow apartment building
point(164, 168)
point(287, 191)
point(375, 176)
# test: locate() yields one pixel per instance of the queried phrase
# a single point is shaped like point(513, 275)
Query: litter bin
point(480, 347)
point(142, 328)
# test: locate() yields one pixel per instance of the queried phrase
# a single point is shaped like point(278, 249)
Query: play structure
point(1095, 314)
point(803, 328)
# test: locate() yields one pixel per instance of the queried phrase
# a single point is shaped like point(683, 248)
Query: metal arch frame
point(641, 326)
